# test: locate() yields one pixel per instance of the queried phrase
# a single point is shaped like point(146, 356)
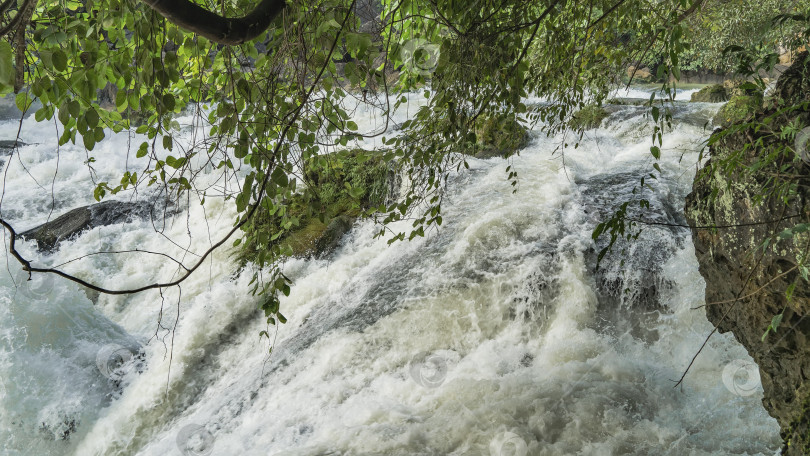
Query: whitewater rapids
point(494, 335)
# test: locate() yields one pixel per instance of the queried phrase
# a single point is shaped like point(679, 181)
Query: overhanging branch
point(253, 208)
point(222, 30)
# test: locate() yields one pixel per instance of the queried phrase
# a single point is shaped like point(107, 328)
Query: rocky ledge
point(752, 251)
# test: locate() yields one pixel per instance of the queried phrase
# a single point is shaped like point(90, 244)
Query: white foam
point(487, 331)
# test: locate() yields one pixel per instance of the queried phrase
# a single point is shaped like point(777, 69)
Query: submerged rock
point(749, 262)
point(7, 148)
point(632, 275)
point(69, 225)
point(628, 101)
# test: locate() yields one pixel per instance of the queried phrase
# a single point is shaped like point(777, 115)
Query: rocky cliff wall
point(747, 285)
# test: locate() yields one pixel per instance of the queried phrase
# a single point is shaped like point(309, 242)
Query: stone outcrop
point(588, 118)
point(738, 109)
point(715, 93)
point(749, 261)
point(327, 213)
point(71, 224)
point(498, 137)
point(643, 74)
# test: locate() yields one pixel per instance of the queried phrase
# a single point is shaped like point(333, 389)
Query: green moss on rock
point(498, 137)
point(588, 118)
point(737, 110)
point(754, 188)
point(340, 188)
point(715, 93)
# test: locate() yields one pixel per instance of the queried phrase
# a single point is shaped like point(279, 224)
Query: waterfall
point(493, 335)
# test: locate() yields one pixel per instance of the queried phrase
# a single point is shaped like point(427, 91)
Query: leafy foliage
point(279, 106)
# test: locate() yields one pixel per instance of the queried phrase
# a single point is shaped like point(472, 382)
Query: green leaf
point(789, 291)
point(168, 101)
point(59, 60)
point(75, 108)
point(89, 140)
point(64, 114)
point(142, 150)
point(776, 320)
point(91, 117)
point(279, 177)
point(22, 101)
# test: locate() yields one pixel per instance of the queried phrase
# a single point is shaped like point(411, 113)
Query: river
point(494, 335)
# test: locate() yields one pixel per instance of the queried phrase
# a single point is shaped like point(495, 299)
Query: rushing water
point(494, 335)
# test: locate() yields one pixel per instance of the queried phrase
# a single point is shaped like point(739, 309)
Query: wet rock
point(631, 275)
point(737, 110)
point(715, 93)
point(588, 118)
point(643, 74)
point(69, 225)
point(333, 234)
point(746, 283)
point(627, 101)
point(7, 148)
point(498, 137)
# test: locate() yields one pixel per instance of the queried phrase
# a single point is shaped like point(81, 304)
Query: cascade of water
point(494, 335)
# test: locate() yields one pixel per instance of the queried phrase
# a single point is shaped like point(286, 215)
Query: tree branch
point(253, 208)
point(26, 9)
point(222, 30)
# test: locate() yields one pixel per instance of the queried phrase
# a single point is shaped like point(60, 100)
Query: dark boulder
point(69, 225)
point(330, 239)
point(7, 148)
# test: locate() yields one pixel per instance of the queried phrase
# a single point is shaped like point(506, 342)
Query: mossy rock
point(498, 137)
point(715, 93)
point(737, 110)
point(588, 118)
point(340, 188)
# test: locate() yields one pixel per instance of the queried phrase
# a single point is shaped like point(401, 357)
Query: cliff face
point(746, 284)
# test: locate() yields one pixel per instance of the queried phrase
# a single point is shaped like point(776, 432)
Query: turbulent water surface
point(495, 335)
